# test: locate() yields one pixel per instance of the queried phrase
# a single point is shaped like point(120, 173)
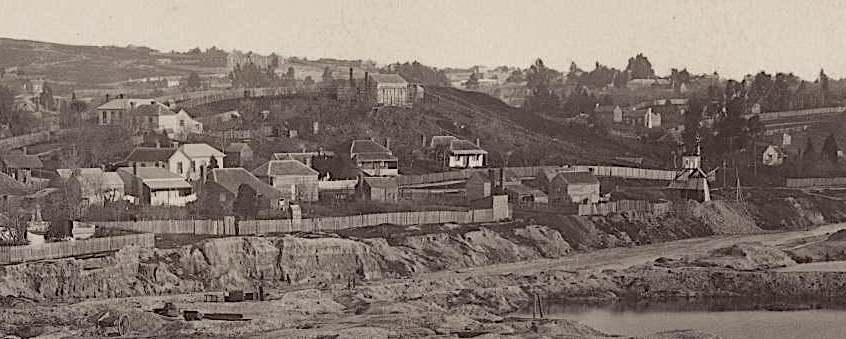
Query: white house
point(155, 187)
point(465, 154)
point(184, 125)
point(373, 159)
point(192, 160)
point(651, 119)
point(390, 89)
point(773, 156)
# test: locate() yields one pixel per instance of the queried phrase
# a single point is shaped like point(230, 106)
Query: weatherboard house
point(373, 159)
point(389, 89)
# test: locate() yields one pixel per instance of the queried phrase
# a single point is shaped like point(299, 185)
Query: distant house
point(524, 194)
point(93, 185)
point(295, 180)
point(384, 189)
point(390, 90)
point(118, 111)
point(191, 160)
point(225, 182)
point(150, 157)
point(465, 154)
point(19, 166)
point(308, 158)
point(185, 125)
point(608, 114)
point(642, 117)
point(773, 156)
point(373, 159)
point(575, 187)
point(238, 154)
point(154, 116)
point(155, 186)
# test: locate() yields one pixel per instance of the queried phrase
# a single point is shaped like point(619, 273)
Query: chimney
point(477, 143)
point(351, 74)
point(366, 79)
point(388, 143)
point(423, 137)
point(134, 168)
point(152, 102)
point(23, 149)
point(107, 97)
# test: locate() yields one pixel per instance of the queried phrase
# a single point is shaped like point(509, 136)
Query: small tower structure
point(690, 179)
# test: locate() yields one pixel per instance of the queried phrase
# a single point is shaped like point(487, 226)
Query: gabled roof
point(605, 108)
point(367, 146)
point(156, 178)
point(638, 113)
point(465, 147)
point(441, 141)
point(382, 182)
point(382, 156)
point(578, 178)
point(283, 167)
point(200, 150)
point(125, 103)
point(388, 79)
point(156, 109)
point(236, 147)
point(94, 180)
point(149, 154)
point(232, 178)
point(67, 173)
point(16, 159)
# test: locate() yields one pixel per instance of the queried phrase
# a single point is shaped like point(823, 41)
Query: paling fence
point(637, 206)
point(64, 249)
point(527, 172)
point(253, 227)
point(815, 182)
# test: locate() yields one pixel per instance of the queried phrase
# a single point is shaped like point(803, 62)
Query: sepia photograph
point(390, 169)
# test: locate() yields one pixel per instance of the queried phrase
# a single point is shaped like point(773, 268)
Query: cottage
point(642, 117)
point(295, 180)
point(150, 157)
point(185, 125)
point(153, 116)
point(155, 186)
point(575, 187)
point(383, 189)
point(191, 161)
point(524, 194)
point(93, 185)
point(19, 166)
point(118, 112)
point(389, 89)
point(465, 154)
point(608, 114)
point(373, 159)
point(238, 154)
point(223, 184)
point(773, 156)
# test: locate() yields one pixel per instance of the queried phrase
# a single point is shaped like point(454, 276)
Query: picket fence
point(254, 227)
point(815, 182)
point(530, 172)
point(768, 116)
point(637, 206)
point(64, 249)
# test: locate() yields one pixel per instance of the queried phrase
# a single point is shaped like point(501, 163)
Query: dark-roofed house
point(19, 166)
point(155, 186)
point(608, 114)
point(383, 189)
point(238, 154)
point(525, 194)
point(154, 116)
point(225, 182)
point(465, 154)
point(575, 187)
point(373, 159)
point(389, 89)
point(117, 111)
point(295, 180)
point(93, 185)
point(150, 157)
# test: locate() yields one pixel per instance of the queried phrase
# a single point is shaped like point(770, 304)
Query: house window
point(181, 123)
point(193, 165)
point(104, 116)
point(179, 168)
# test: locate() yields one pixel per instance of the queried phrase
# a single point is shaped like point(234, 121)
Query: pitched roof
point(236, 147)
point(381, 182)
point(200, 150)
point(638, 113)
point(156, 178)
point(605, 108)
point(367, 146)
point(9, 186)
point(284, 167)
point(232, 178)
point(578, 178)
point(465, 147)
point(123, 103)
point(156, 109)
point(388, 79)
point(16, 159)
point(382, 156)
point(147, 154)
point(441, 141)
point(67, 173)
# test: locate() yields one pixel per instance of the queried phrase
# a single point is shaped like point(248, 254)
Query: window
point(181, 123)
point(104, 116)
point(193, 165)
point(179, 168)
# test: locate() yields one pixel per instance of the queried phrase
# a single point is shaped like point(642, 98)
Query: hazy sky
point(732, 37)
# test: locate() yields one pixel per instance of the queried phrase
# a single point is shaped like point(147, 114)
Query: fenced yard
point(64, 249)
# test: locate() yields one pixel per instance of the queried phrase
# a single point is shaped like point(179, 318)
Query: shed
point(383, 189)
point(238, 154)
point(575, 187)
point(294, 179)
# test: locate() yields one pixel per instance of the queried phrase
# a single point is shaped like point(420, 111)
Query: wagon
point(110, 323)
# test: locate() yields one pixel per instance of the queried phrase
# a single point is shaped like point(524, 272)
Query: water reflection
point(723, 304)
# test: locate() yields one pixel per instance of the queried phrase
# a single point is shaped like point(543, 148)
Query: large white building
point(390, 89)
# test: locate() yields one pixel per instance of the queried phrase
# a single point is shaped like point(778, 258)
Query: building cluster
point(377, 89)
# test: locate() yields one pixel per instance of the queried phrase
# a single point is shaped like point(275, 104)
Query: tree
point(539, 80)
point(308, 81)
point(46, 98)
point(327, 77)
point(824, 88)
point(418, 73)
point(809, 152)
point(472, 82)
point(274, 60)
point(193, 81)
point(830, 148)
point(639, 67)
point(245, 204)
point(516, 77)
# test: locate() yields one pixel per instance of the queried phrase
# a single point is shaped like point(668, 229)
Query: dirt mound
point(838, 236)
point(747, 256)
point(723, 218)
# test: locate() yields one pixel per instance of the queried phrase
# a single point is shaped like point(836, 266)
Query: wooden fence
point(815, 182)
point(253, 227)
point(64, 249)
point(531, 172)
point(637, 206)
point(767, 116)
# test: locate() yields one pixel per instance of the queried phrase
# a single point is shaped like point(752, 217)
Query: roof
point(578, 178)
point(156, 178)
point(94, 180)
point(200, 150)
point(605, 108)
point(9, 186)
point(153, 110)
point(367, 146)
point(382, 182)
point(525, 190)
point(232, 178)
point(17, 159)
point(638, 113)
point(125, 103)
point(382, 156)
point(284, 167)
point(236, 147)
point(441, 141)
point(388, 79)
point(465, 147)
point(147, 154)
